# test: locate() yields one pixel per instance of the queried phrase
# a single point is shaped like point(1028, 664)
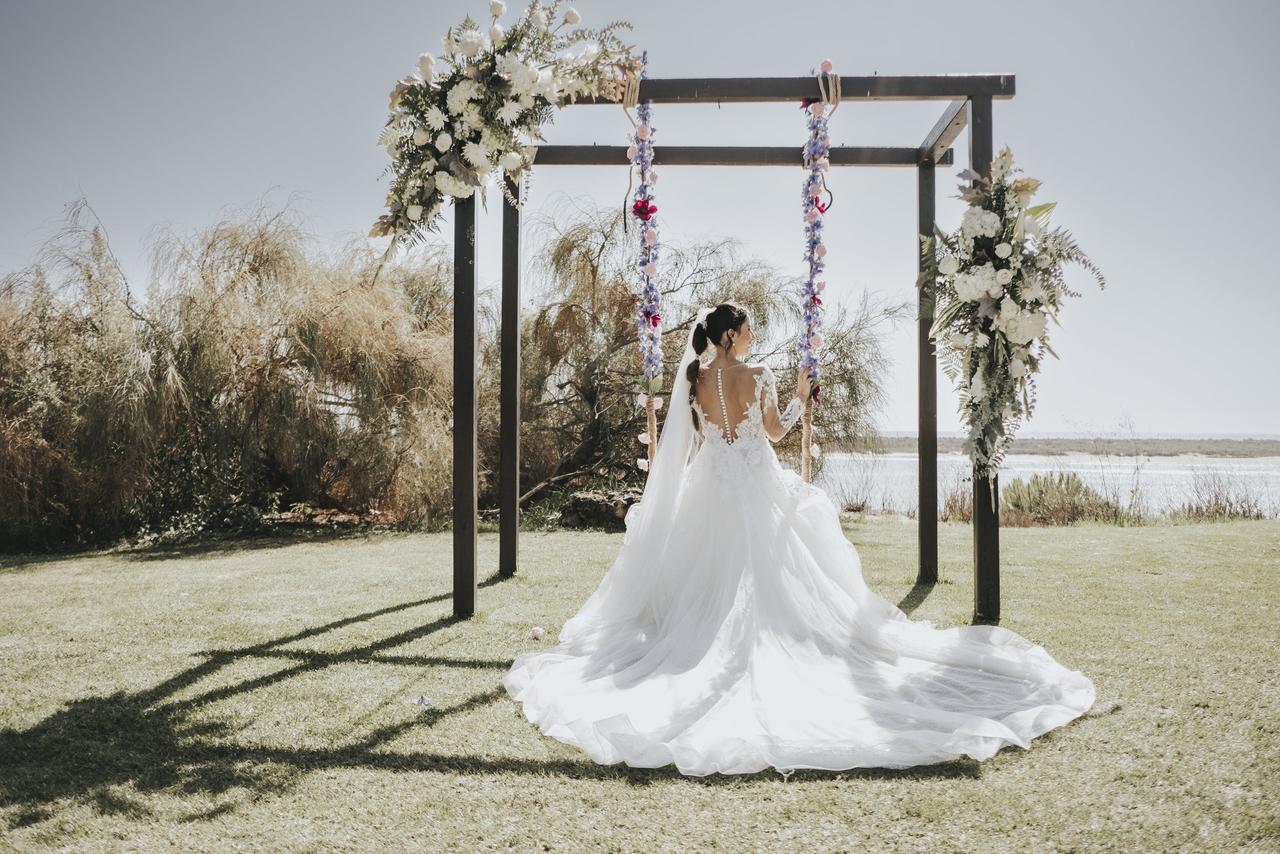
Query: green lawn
point(257, 695)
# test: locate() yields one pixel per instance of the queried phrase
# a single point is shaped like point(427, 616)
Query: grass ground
point(258, 695)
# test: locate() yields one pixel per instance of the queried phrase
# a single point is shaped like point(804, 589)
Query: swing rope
point(648, 317)
point(828, 87)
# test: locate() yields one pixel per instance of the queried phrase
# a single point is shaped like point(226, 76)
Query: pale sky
point(1147, 122)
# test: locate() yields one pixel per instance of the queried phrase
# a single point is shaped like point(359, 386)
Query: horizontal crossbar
point(932, 87)
point(730, 155)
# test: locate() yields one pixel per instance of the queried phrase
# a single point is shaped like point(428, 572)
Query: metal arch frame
point(970, 97)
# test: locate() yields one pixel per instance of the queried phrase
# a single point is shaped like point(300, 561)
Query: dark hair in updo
point(721, 319)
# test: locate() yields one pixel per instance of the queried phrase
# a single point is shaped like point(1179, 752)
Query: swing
point(648, 315)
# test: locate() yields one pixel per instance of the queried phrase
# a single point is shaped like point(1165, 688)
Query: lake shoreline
point(1121, 447)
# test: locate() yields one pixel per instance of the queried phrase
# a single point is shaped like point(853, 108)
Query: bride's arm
point(777, 423)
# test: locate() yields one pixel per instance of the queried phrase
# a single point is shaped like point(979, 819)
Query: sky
point(1143, 120)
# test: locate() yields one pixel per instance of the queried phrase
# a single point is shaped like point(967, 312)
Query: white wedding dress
point(734, 632)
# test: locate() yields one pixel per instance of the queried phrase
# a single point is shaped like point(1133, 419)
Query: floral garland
point(817, 160)
point(998, 280)
point(648, 312)
point(449, 130)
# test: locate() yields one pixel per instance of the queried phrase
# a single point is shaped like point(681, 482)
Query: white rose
point(414, 212)
point(1003, 250)
point(426, 66)
point(1017, 368)
point(949, 265)
point(512, 161)
point(1004, 277)
point(421, 136)
point(572, 17)
point(444, 142)
point(497, 8)
point(496, 33)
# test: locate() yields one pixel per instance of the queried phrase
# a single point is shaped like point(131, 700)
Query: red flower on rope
point(655, 320)
point(644, 209)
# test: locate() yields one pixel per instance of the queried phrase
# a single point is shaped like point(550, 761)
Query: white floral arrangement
point(998, 281)
point(450, 129)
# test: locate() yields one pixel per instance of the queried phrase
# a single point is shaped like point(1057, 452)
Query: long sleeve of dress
point(777, 423)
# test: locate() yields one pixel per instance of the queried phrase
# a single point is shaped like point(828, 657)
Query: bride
point(734, 632)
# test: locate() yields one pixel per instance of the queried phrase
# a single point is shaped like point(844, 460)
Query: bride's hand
point(802, 383)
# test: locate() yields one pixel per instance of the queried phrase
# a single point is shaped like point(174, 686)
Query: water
point(888, 481)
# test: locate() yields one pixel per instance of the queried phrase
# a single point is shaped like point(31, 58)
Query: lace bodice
point(751, 427)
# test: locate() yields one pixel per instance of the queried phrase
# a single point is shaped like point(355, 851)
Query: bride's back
point(725, 395)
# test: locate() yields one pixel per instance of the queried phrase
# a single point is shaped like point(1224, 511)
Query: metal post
point(464, 407)
point(927, 391)
point(986, 494)
point(509, 440)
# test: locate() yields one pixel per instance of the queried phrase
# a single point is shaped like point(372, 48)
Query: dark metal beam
point(729, 155)
point(986, 494)
point(768, 89)
point(464, 407)
point(927, 389)
point(509, 394)
point(938, 141)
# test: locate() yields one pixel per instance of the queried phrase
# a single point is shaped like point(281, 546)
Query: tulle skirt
point(744, 638)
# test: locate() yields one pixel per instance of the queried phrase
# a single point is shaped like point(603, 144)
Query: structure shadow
point(916, 595)
point(153, 742)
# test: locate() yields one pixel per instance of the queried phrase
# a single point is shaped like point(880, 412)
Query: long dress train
point(735, 633)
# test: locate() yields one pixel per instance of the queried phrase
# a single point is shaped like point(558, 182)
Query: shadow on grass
point(152, 741)
point(205, 547)
point(917, 594)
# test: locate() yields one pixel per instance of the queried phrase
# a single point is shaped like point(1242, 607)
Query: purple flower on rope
point(816, 157)
point(649, 310)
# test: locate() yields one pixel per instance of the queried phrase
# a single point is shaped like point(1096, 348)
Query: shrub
point(1057, 498)
point(252, 373)
point(1217, 496)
